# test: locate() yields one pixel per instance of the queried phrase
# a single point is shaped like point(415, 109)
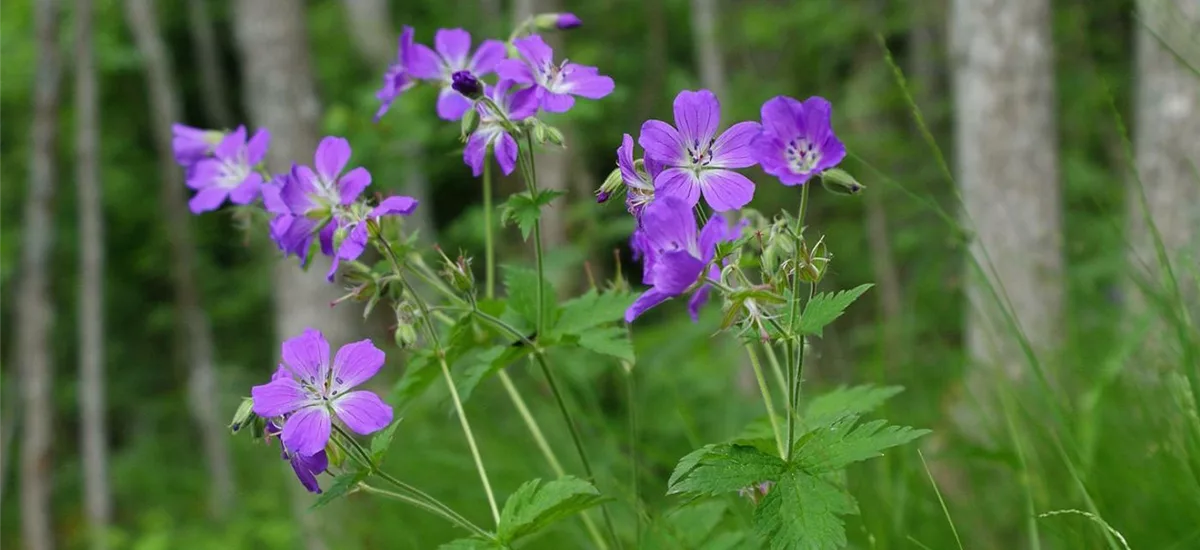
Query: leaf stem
point(766, 394)
point(489, 245)
point(461, 522)
point(795, 346)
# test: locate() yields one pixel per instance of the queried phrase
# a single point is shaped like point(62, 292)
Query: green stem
point(773, 360)
point(529, 172)
point(766, 394)
point(795, 346)
point(424, 506)
point(634, 458)
point(466, 427)
point(531, 423)
point(489, 246)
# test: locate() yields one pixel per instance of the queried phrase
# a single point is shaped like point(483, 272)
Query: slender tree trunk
point(708, 49)
point(371, 28)
point(656, 59)
point(34, 309)
point(92, 410)
point(1167, 134)
point(1008, 173)
point(203, 395)
point(208, 60)
point(281, 96)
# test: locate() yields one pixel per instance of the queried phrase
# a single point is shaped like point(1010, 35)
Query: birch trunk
point(708, 50)
point(34, 309)
point(208, 59)
point(203, 395)
point(92, 410)
point(1005, 137)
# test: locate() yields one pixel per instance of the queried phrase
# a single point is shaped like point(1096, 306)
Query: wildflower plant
point(763, 273)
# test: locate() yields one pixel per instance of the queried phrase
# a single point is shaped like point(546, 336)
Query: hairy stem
point(766, 394)
point(795, 347)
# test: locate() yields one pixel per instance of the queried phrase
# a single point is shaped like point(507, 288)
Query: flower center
point(553, 75)
point(234, 172)
point(700, 153)
point(801, 155)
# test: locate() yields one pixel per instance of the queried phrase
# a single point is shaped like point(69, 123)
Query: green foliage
point(342, 485)
point(612, 341)
point(801, 511)
point(471, 543)
point(537, 504)
point(420, 373)
point(836, 445)
point(521, 286)
point(592, 309)
point(382, 441)
point(825, 408)
point(824, 308)
point(724, 468)
point(695, 526)
point(525, 210)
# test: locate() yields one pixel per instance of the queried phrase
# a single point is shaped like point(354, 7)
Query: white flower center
point(802, 156)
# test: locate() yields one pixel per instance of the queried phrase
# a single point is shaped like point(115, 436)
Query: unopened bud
point(553, 135)
point(539, 131)
point(559, 21)
point(245, 412)
point(840, 182)
point(466, 84)
point(470, 121)
point(601, 197)
point(612, 185)
point(334, 454)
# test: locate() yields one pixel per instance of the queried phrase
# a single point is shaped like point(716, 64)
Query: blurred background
point(1038, 323)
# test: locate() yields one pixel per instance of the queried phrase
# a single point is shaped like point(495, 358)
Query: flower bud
point(334, 454)
point(467, 84)
point(601, 197)
point(612, 185)
point(840, 182)
point(405, 336)
point(245, 412)
point(470, 121)
point(553, 135)
point(560, 21)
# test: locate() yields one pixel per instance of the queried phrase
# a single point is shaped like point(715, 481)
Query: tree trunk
point(92, 410)
point(208, 60)
point(1167, 135)
point(34, 310)
point(281, 96)
point(370, 26)
point(203, 395)
point(708, 51)
point(1008, 173)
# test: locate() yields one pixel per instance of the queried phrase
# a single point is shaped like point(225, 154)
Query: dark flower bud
point(602, 197)
point(839, 182)
point(560, 21)
point(467, 84)
point(244, 414)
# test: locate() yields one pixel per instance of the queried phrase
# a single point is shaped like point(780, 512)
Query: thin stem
point(424, 506)
point(795, 346)
point(775, 368)
point(635, 459)
point(766, 394)
point(466, 427)
point(489, 246)
point(531, 423)
point(529, 172)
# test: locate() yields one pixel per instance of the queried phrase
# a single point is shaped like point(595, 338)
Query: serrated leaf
point(472, 543)
point(611, 341)
point(801, 512)
point(341, 485)
point(693, 523)
point(487, 363)
point(382, 441)
point(525, 210)
point(824, 308)
point(592, 310)
point(846, 400)
point(521, 286)
point(724, 468)
point(836, 445)
point(536, 505)
point(419, 374)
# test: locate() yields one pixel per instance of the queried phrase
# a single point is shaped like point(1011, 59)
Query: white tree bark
point(1167, 142)
point(92, 410)
point(203, 394)
point(708, 49)
point(1008, 172)
point(208, 59)
point(34, 309)
point(281, 96)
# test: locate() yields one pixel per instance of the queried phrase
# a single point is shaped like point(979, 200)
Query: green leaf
point(612, 341)
point(592, 310)
point(800, 512)
point(524, 210)
point(724, 468)
point(420, 373)
point(846, 400)
point(521, 286)
point(341, 485)
point(487, 363)
point(382, 441)
point(472, 543)
point(536, 505)
point(836, 445)
point(824, 308)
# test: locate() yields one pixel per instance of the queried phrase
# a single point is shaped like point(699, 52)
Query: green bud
point(258, 427)
point(613, 184)
point(339, 235)
point(553, 135)
point(405, 335)
point(245, 412)
point(470, 121)
point(214, 137)
point(539, 131)
point(840, 182)
point(319, 214)
point(334, 454)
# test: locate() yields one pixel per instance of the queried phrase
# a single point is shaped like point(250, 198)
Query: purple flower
point(193, 144)
point(230, 172)
point(797, 141)
point(491, 133)
point(639, 184)
point(312, 390)
point(306, 467)
point(453, 55)
point(567, 21)
point(676, 255)
point(697, 160)
point(397, 80)
point(467, 85)
point(355, 236)
point(556, 84)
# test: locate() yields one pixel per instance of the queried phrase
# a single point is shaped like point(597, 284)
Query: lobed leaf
point(536, 505)
point(592, 310)
point(611, 341)
point(342, 484)
point(834, 446)
point(724, 468)
point(382, 441)
point(824, 308)
point(525, 210)
point(801, 512)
